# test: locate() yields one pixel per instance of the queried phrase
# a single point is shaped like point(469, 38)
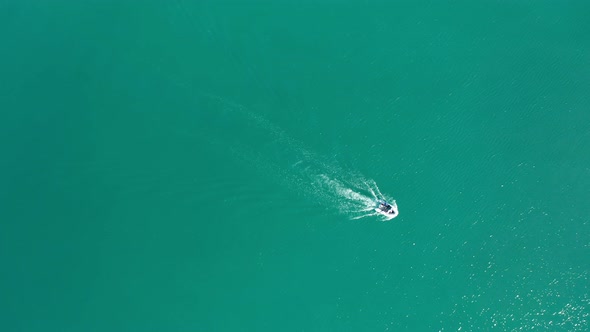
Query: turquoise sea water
point(204, 165)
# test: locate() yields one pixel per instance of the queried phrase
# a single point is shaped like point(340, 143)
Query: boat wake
point(255, 141)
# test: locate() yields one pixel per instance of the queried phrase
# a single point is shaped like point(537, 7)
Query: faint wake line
point(345, 191)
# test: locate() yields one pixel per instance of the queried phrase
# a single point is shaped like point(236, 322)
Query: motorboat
point(388, 210)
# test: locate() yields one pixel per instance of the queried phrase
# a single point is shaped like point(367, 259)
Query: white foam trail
point(341, 190)
point(365, 216)
point(374, 184)
point(372, 193)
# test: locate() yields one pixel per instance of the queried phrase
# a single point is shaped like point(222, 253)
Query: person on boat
point(384, 206)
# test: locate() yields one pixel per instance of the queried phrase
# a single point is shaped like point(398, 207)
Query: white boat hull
point(388, 216)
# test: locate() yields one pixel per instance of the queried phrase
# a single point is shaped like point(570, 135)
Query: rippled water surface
point(213, 166)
